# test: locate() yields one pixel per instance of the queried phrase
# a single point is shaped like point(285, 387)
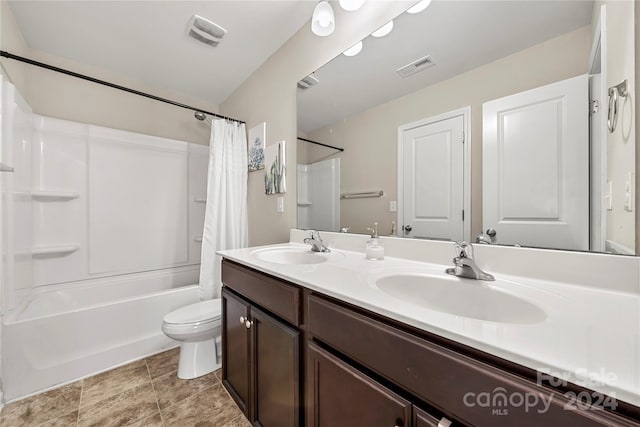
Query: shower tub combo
point(101, 238)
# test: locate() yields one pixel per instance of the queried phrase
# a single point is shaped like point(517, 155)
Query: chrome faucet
point(317, 245)
point(465, 266)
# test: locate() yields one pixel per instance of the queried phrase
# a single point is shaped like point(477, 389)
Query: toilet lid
point(198, 312)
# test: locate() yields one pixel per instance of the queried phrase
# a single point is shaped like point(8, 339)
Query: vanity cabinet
point(261, 351)
point(344, 397)
point(358, 368)
point(445, 379)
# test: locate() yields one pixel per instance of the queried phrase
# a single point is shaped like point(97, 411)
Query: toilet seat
point(200, 313)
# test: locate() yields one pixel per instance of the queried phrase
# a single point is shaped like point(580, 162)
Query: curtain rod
point(109, 84)
point(320, 143)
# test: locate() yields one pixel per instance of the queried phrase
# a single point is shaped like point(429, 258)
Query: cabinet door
point(275, 373)
point(344, 396)
point(423, 419)
point(235, 348)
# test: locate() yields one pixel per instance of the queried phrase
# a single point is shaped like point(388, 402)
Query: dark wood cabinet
point(235, 348)
point(363, 369)
point(261, 352)
point(344, 397)
point(275, 371)
point(452, 382)
point(424, 419)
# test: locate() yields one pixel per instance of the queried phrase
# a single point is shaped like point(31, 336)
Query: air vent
point(205, 31)
point(416, 66)
point(307, 82)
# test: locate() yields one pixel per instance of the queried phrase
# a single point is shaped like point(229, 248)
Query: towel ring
point(612, 113)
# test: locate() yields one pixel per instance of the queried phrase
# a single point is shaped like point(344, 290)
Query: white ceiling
point(459, 35)
point(147, 40)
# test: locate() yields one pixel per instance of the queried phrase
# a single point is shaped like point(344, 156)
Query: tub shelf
point(200, 200)
point(54, 250)
point(46, 196)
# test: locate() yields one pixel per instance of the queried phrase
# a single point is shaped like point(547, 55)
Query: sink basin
point(473, 299)
point(288, 255)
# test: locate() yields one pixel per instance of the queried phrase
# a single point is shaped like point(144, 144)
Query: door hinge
point(463, 214)
point(463, 138)
point(595, 106)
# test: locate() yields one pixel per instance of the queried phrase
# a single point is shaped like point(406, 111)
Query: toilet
point(198, 328)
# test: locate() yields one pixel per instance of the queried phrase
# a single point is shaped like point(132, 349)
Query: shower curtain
point(225, 222)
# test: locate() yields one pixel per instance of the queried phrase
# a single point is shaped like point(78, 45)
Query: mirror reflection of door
point(536, 166)
point(431, 155)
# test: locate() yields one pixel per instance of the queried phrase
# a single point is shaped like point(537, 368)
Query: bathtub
point(66, 332)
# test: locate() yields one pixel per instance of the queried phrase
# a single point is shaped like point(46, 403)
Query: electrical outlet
point(280, 205)
point(628, 192)
point(393, 206)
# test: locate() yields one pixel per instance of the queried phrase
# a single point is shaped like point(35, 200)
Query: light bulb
point(353, 50)
point(384, 30)
point(351, 5)
point(419, 7)
point(323, 22)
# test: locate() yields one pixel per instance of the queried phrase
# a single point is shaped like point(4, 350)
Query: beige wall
point(621, 145)
point(269, 95)
point(637, 118)
point(57, 95)
point(370, 138)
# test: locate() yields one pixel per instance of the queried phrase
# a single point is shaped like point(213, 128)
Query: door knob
point(491, 232)
point(407, 228)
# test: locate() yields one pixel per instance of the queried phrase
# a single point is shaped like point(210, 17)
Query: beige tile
point(212, 407)
point(126, 408)
point(170, 389)
point(69, 420)
point(241, 421)
point(218, 374)
point(114, 382)
point(42, 408)
point(163, 363)
point(153, 421)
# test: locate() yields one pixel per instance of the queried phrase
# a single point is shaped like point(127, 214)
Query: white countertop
point(590, 335)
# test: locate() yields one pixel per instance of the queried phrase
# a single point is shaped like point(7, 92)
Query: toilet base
point(199, 358)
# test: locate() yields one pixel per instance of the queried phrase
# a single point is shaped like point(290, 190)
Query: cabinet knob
point(242, 319)
point(248, 323)
point(444, 422)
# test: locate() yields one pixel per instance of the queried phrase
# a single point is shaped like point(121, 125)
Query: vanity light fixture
point(353, 50)
point(323, 21)
point(351, 5)
point(384, 30)
point(419, 7)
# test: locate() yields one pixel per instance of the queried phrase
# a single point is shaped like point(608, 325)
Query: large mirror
point(491, 121)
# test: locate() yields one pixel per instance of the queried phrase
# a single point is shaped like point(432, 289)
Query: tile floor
point(142, 393)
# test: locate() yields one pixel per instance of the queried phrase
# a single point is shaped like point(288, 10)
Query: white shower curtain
point(225, 222)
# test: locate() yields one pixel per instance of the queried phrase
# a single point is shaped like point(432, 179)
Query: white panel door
point(433, 180)
point(536, 166)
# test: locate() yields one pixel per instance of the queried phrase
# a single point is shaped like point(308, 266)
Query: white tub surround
point(589, 333)
point(70, 331)
point(101, 236)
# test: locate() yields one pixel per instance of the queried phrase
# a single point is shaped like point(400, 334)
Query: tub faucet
point(465, 266)
point(317, 245)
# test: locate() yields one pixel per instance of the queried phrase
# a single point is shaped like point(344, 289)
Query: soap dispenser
point(374, 249)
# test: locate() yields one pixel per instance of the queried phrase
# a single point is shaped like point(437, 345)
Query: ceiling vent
point(416, 66)
point(307, 82)
point(205, 31)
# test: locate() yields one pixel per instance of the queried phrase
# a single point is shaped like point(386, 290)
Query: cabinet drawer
point(450, 381)
point(342, 396)
point(274, 295)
